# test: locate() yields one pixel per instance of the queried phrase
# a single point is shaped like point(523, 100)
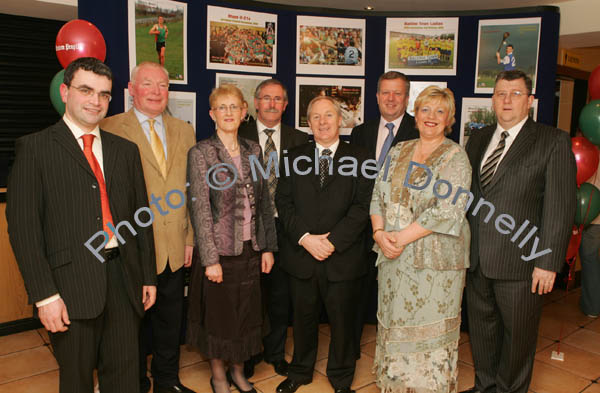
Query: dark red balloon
point(586, 158)
point(79, 38)
point(574, 243)
point(594, 84)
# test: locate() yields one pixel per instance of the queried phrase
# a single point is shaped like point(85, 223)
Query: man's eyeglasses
point(513, 94)
point(224, 108)
point(87, 92)
point(276, 99)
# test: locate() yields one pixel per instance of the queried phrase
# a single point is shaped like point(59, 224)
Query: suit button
point(94, 185)
point(98, 218)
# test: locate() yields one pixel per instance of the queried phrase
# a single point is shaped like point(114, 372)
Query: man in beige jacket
point(163, 142)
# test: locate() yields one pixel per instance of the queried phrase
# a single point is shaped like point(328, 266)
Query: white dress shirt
point(159, 127)
point(383, 133)
point(262, 136)
point(512, 135)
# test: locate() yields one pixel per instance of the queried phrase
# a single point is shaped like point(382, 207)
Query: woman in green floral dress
point(422, 238)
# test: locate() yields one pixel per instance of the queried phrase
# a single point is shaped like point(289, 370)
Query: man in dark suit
point(69, 183)
point(378, 136)
point(324, 215)
point(524, 172)
point(270, 101)
point(163, 142)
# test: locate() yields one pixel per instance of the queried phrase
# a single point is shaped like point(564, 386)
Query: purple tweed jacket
point(217, 215)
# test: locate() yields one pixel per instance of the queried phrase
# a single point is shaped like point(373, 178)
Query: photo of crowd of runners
point(241, 45)
point(330, 45)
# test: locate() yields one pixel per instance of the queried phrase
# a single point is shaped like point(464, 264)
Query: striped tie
point(487, 172)
point(269, 148)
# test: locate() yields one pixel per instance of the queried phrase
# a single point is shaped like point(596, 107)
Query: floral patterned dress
point(420, 291)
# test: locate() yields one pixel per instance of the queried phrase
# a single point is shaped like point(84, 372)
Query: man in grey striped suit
point(524, 176)
point(69, 183)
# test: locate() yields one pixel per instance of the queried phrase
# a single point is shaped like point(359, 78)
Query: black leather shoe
point(145, 385)
point(281, 367)
point(344, 390)
point(472, 390)
point(248, 368)
point(289, 386)
point(179, 388)
point(232, 382)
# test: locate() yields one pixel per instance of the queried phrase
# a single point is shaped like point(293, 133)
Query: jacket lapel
point(486, 137)
point(374, 132)
point(109, 158)
point(173, 139)
point(64, 137)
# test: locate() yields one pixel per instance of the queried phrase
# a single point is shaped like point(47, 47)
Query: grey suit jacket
point(53, 208)
point(534, 182)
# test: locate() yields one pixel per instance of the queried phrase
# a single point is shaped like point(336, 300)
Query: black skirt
point(228, 323)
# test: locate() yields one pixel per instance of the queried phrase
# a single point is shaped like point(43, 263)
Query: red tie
point(88, 140)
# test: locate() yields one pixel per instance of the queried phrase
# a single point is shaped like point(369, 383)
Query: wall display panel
point(182, 105)
point(506, 44)
point(330, 46)
point(421, 46)
point(350, 94)
point(478, 113)
point(151, 40)
point(247, 84)
point(240, 40)
point(415, 89)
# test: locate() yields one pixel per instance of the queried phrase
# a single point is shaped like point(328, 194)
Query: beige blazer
point(172, 229)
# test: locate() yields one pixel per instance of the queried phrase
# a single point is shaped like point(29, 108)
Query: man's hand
point(543, 281)
point(187, 256)
point(214, 273)
point(387, 242)
point(54, 316)
point(148, 296)
point(318, 246)
point(267, 261)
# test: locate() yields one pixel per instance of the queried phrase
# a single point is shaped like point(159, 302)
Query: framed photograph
point(157, 33)
point(415, 89)
point(506, 44)
point(182, 105)
point(478, 113)
point(330, 46)
point(350, 93)
point(240, 40)
point(247, 84)
point(421, 46)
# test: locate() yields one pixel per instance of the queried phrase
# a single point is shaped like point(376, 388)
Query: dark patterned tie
point(487, 172)
point(387, 144)
point(269, 148)
point(324, 166)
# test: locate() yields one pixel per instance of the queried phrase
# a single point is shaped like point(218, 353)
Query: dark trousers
point(107, 342)
point(367, 302)
point(340, 300)
point(590, 270)
point(504, 317)
point(161, 329)
point(276, 290)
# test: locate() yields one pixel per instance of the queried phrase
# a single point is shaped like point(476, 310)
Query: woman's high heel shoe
point(232, 382)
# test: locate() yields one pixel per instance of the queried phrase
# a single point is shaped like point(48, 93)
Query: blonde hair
point(333, 101)
point(225, 90)
point(445, 96)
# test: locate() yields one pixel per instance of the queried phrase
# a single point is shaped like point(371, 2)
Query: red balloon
point(594, 84)
point(586, 158)
point(574, 243)
point(79, 38)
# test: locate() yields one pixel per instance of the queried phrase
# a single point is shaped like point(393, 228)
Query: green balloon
point(588, 197)
point(55, 98)
point(589, 121)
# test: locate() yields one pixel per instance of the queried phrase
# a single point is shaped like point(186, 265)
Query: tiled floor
point(27, 364)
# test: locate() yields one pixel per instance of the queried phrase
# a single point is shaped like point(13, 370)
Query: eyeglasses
point(513, 94)
point(87, 92)
point(276, 99)
point(224, 108)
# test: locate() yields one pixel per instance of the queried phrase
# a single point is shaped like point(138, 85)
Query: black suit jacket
point(53, 208)
point(290, 137)
point(535, 181)
point(365, 135)
point(341, 207)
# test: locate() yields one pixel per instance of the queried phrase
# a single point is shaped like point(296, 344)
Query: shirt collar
point(78, 132)
point(513, 131)
point(261, 127)
point(396, 122)
point(143, 118)
point(333, 147)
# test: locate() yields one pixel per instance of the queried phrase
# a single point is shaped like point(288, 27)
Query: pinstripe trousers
point(108, 342)
point(504, 317)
